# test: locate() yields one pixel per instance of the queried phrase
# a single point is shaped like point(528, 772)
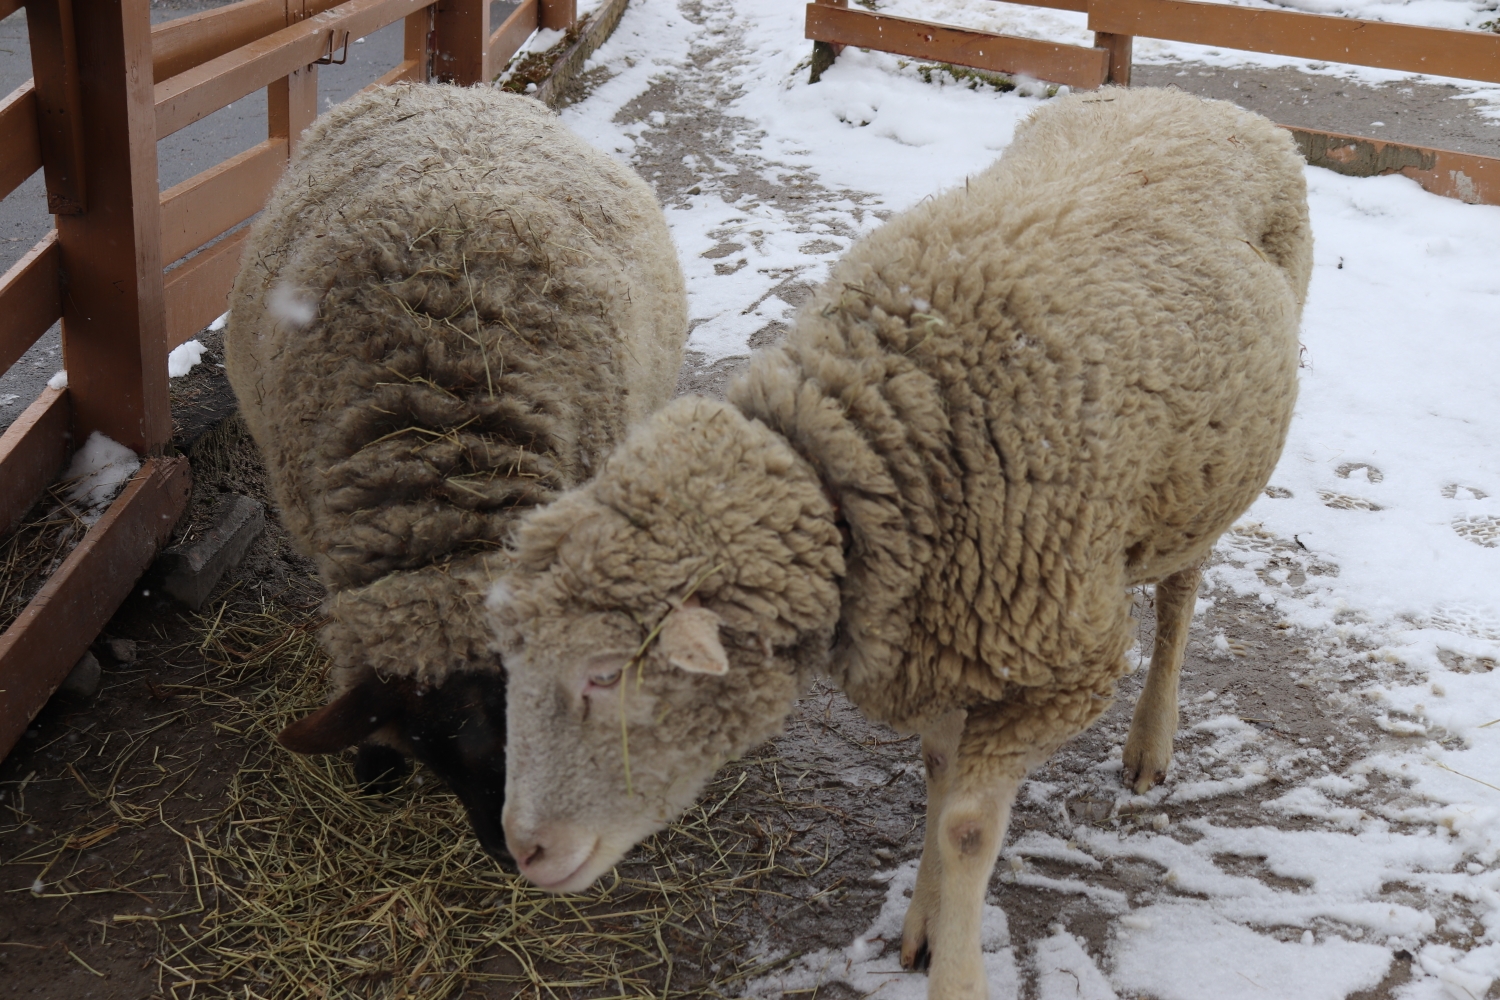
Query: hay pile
point(300, 887)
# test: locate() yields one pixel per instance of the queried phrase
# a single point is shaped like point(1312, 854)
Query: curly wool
point(450, 309)
point(1029, 394)
point(1018, 399)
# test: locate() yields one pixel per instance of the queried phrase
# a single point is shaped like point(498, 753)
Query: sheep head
point(659, 621)
point(456, 728)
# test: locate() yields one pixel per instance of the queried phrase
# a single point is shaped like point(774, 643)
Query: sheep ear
point(690, 640)
point(347, 719)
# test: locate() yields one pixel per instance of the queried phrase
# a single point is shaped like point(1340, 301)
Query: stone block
point(191, 571)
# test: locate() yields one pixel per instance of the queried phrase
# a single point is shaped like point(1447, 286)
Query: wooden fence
point(1469, 55)
point(107, 85)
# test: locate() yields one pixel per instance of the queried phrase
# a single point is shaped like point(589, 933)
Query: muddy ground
point(94, 799)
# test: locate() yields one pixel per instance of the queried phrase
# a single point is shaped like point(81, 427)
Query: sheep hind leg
point(939, 748)
point(1148, 748)
point(975, 814)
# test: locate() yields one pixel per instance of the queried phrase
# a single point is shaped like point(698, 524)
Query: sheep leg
point(939, 748)
point(975, 814)
point(1148, 748)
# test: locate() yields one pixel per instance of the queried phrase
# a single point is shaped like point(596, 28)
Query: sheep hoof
point(1142, 780)
point(379, 769)
point(920, 959)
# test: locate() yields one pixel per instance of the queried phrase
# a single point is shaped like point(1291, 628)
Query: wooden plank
point(9, 7)
point(1470, 55)
point(204, 89)
point(1466, 176)
point(461, 42)
point(1082, 6)
point(510, 36)
point(32, 452)
point(197, 292)
point(54, 63)
point(410, 71)
point(1078, 67)
point(56, 628)
point(20, 143)
point(220, 198)
point(30, 299)
point(179, 45)
point(114, 317)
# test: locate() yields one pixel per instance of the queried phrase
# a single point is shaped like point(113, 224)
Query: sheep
point(448, 313)
point(1004, 409)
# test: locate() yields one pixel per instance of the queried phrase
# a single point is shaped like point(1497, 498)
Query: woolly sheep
point(448, 313)
point(1005, 408)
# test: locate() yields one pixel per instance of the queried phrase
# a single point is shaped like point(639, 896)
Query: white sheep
point(1005, 408)
point(448, 313)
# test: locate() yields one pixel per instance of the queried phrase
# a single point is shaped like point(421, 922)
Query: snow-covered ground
point(1376, 546)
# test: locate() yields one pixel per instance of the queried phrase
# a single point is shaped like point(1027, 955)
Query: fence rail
point(1470, 55)
point(107, 86)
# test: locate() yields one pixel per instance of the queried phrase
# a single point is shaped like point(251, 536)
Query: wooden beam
point(114, 317)
point(510, 36)
point(56, 628)
point(59, 118)
point(204, 89)
point(1467, 177)
point(20, 143)
point(461, 42)
point(1078, 67)
point(30, 299)
point(220, 198)
point(197, 292)
point(32, 452)
point(179, 45)
point(1082, 6)
point(9, 7)
point(1470, 55)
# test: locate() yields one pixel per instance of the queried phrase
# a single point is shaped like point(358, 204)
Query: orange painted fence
point(107, 86)
point(1469, 55)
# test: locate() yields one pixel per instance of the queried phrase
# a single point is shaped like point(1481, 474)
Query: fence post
point(559, 15)
point(824, 53)
point(1119, 49)
point(461, 42)
point(417, 44)
point(113, 309)
point(292, 101)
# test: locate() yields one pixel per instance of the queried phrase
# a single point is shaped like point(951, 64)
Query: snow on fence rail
point(1470, 55)
point(107, 86)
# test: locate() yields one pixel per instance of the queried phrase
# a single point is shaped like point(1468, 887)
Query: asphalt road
point(23, 215)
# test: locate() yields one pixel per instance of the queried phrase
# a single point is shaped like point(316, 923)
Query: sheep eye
point(605, 679)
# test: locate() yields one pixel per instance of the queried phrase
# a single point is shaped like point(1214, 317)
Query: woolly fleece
point(1019, 398)
point(450, 309)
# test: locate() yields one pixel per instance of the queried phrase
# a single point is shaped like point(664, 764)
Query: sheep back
point(1066, 377)
point(449, 310)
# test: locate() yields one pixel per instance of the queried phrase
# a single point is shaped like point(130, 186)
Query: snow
point(1378, 546)
point(58, 381)
point(183, 357)
point(99, 470)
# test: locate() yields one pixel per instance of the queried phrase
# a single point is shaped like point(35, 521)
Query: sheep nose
point(550, 854)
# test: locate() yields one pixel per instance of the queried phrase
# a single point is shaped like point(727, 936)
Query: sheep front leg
point(975, 814)
point(1148, 748)
point(939, 750)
